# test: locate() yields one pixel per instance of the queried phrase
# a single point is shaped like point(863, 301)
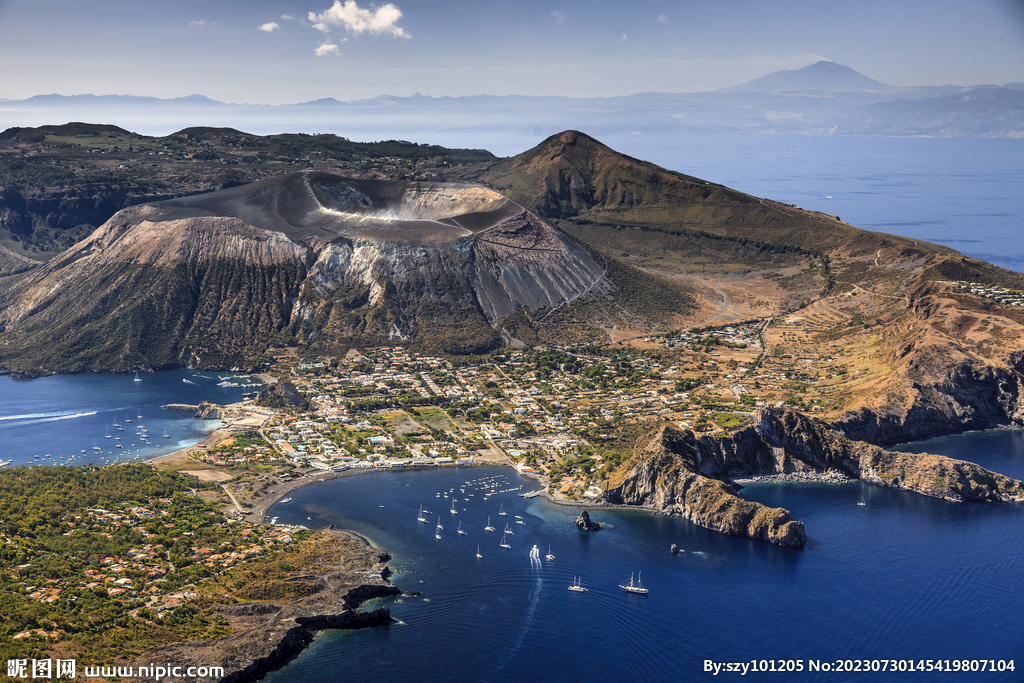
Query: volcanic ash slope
point(211, 280)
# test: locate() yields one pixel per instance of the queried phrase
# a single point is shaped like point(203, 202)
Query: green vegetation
point(94, 561)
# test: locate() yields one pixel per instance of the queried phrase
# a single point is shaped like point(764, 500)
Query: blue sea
point(903, 577)
point(64, 419)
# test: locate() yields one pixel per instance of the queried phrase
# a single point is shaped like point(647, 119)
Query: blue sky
point(273, 52)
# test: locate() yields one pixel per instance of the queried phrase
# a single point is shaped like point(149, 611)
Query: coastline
point(268, 634)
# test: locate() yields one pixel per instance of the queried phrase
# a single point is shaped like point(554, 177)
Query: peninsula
point(630, 334)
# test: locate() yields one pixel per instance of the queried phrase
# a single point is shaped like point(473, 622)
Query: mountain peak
point(822, 75)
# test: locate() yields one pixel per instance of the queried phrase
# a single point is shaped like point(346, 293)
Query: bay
point(901, 577)
point(57, 418)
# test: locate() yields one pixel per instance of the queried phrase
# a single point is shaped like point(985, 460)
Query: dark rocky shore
point(267, 634)
point(678, 473)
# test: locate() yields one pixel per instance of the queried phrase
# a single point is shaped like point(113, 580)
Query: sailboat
point(439, 522)
point(437, 531)
point(454, 511)
point(631, 587)
point(501, 510)
point(509, 531)
point(549, 556)
point(137, 378)
point(478, 551)
point(106, 435)
point(461, 531)
point(861, 502)
point(576, 586)
point(421, 518)
point(504, 543)
point(488, 527)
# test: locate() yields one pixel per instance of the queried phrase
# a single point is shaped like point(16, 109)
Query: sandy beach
point(234, 417)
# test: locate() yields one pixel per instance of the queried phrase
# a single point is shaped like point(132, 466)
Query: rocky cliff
point(661, 476)
point(676, 472)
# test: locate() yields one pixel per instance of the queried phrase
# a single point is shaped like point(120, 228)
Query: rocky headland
point(277, 618)
point(678, 473)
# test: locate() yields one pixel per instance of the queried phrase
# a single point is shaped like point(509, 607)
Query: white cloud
point(270, 26)
point(327, 49)
point(383, 19)
point(201, 22)
point(663, 19)
point(286, 17)
point(559, 16)
point(625, 36)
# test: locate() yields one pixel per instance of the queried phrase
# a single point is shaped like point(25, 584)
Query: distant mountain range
point(820, 99)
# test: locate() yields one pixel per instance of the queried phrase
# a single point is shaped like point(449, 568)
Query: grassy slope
point(607, 197)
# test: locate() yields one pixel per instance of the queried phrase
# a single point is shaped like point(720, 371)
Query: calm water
point(965, 193)
point(65, 415)
point(902, 577)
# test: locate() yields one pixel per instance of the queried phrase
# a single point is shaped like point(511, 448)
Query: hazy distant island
point(824, 98)
point(626, 333)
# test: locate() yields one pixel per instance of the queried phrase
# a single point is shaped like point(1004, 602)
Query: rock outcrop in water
point(676, 472)
point(584, 522)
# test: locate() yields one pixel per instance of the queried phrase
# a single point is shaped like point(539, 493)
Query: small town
point(565, 415)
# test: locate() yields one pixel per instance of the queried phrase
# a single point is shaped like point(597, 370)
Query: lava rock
point(584, 522)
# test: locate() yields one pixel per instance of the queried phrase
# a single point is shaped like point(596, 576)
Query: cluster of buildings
point(1005, 296)
point(147, 570)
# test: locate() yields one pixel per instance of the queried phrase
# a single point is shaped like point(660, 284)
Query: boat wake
point(534, 597)
point(33, 418)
